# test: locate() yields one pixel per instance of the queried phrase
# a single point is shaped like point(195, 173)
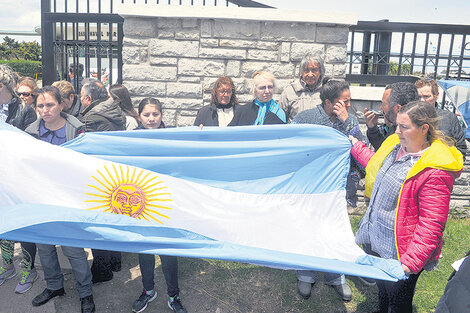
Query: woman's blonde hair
point(257, 77)
point(421, 113)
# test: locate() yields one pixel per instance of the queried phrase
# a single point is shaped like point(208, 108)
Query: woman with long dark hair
point(121, 96)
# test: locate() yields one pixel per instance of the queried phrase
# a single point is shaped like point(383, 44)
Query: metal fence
point(383, 52)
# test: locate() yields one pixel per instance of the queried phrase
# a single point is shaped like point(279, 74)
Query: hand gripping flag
point(271, 195)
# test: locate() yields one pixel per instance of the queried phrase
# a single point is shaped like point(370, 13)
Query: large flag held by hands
point(271, 195)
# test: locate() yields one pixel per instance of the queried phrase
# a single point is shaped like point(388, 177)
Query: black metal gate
point(90, 33)
point(91, 39)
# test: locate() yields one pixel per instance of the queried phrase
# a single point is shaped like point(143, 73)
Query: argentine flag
point(270, 195)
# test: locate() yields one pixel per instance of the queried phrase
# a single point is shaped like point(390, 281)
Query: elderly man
point(449, 124)
point(100, 113)
point(395, 96)
point(304, 93)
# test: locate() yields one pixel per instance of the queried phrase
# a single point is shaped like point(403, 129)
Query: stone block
point(208, 42)
point(332, 34)
point(173, 48)
point(236, 43)
point(280, 70)
point(187, 34)
point(206, 28)
point(282, 83)
point(198, 67)
point(169, 116)
point(182, 104)
point(262, 55)
point(299, 50)
point(245, 98)
point(166, 33)
point(242, 85)
point(288, 31)
point(184, 120)
point(133, 42)
point(339, 70)
point(134, 55)
point(184, 90)
point(163, 61)
point(143, 89)
point(139, 27)
point(236, 29)
point(189, 79)
point(168, 22)
point(149, 73)
point(285, 51)
point(233, 68)
point(189, 23)
point(221, 53)
point(336, 54)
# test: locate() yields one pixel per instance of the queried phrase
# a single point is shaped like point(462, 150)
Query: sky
point(25, 15)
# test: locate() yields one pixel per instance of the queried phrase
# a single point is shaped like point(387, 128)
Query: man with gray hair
point(304, 93)
point(12, 110)
point(99, 113)
point(395, 96)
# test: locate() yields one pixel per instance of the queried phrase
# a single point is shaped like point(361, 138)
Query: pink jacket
point(423, 202)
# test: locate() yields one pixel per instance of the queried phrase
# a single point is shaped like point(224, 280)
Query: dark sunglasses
point(24, 94)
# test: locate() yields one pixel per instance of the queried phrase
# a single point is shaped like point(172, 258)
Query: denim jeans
point(332, 279)
point(52, 273)
point(169, 268)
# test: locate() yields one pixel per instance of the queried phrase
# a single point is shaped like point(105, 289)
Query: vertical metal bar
point(110, 54)
point(76, 6)
point(65, 6)
point(98, 50)
point(47, 43)
point(351, 52)
point(438, 53)
point(55, 5)
point(462, 52)
point(87, 49)
point(413, 53)
point(425, 56)
point(110, 6)
point(99, 6)
point(119, 50)
point(400, 60)
point(87, 6)
point(366, 41)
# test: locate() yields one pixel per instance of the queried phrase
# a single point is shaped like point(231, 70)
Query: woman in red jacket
point(409, 181)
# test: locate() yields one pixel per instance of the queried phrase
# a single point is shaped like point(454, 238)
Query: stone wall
point(177, 59)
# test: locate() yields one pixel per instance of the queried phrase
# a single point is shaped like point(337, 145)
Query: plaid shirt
point(377, 227)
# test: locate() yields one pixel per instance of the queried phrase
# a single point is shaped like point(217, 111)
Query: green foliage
point(25, 67)
point(393, 69)
point(10, 49)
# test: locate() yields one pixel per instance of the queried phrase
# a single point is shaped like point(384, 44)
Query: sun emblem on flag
point(136, 193)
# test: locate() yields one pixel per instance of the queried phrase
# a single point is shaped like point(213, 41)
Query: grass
point(220, 286)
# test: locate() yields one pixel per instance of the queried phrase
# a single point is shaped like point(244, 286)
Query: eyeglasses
point(225, 91)
point(24, 94)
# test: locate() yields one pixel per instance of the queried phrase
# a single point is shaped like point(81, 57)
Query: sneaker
point(26, 281)
point(304, 289)
point(141, 303)
point(344, 291)
point(175, 304)
point(367, 281)
point(7, 272)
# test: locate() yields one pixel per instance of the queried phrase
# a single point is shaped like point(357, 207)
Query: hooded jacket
point(103, 116)
point(423, 202)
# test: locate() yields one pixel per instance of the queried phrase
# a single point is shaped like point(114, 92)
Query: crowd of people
point(409, 163)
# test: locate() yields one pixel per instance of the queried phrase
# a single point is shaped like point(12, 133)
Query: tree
point(404, 70)
point(10, 49)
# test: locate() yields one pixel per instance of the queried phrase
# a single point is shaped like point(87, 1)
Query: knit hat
point(8, 78)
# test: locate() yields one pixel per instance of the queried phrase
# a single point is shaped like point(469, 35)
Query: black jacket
point(103, 116)
point(20, 114)
point(207, 115)
point(247, 114)
point(456, 297)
